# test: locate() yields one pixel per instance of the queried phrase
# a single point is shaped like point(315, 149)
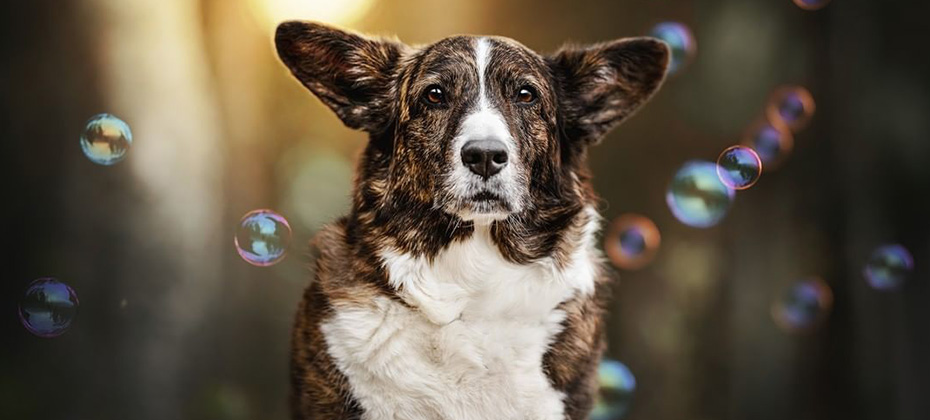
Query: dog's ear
point(603, 84)
point(353, 75)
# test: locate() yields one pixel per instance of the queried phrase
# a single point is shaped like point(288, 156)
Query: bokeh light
point(48, 307)
point(631, 241)
point(739, 167)
point(263, 237)
point(811, 4)
point(681, 41)
point(697, 197)
point(804, 306)
point(773, 144)
point(616, 386)
point(106, 139)
point(888, 267)
point(342, 12)
point(791, 107)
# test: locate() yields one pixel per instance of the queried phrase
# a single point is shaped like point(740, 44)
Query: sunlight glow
point(342, 12)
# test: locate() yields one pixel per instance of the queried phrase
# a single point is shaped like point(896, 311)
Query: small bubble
point(106, 139)
point(681, 42)
point(697, 197)
point(616, 386)
point(888, 267)
point(48, 307)
point(631, 241)
point(739, 167)
point(811, 4)
point(263, 237)
point(804, 306)
point(771, 143)
point(791, 107)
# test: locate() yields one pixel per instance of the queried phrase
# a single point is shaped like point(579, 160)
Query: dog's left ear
point(603, 84)
point(352, 74)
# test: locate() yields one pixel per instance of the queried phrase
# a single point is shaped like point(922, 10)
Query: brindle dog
point(465, 282)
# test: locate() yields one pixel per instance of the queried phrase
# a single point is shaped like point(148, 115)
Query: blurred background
point(173, 324)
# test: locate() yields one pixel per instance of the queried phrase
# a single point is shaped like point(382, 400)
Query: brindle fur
point(399, 199)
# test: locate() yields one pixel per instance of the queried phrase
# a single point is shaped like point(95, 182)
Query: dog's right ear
point(353, 75)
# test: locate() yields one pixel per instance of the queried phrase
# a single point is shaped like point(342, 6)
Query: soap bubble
point(48, 307)
point(804, 306)
point(791, 107)
point(697, 197)
point(772, 143)
point(263, 237)
point(106, 139)
point(616, 388)
point(739, 167)
point(681, 42)
point(811, 4)
point(888, 267)
point(631, 241)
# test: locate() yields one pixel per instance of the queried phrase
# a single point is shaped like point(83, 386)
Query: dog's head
point(473, 129)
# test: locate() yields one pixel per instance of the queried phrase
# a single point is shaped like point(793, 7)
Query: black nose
point(484, 157)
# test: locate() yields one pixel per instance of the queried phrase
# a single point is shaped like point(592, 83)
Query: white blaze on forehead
point(484, 122)
point(482, 53)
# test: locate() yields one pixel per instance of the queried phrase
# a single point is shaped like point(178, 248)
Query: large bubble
point(739, 167)
point(681, 42)
point(48, 307)
point(697, 197)
point(804, 306)
point(631, 241)
point(106, 139)
point(616, 388)
point(888, 267)
point(263, 237)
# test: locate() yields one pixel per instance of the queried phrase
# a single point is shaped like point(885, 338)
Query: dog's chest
point(472, 348)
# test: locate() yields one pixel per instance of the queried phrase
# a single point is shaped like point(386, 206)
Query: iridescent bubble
point(48, 307)
point(772, 143)
point(106, 139)
point(631, 241)
point(263, 237)
point(616, 388)
point(804, 306)
point(739, 167)
point(888, 267)
point(791, 107)
point(696, 195)
point(681, 41)
point(811, 4)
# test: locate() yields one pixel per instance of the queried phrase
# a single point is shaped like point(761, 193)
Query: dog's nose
point(484, 157)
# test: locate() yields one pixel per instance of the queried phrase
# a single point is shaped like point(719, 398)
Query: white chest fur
point(473, 348)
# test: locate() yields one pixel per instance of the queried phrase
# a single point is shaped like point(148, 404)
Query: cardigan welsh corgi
point(465, 282)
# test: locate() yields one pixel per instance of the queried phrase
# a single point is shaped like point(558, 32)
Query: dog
point(465, 283)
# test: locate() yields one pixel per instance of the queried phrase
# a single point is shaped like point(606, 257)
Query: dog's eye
point(433, 95)
point(526, 95)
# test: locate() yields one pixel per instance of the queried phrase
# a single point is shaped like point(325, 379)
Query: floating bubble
point(616, 388)
point(811, 4)
point(791, 107)
point(697, 197)
point(771, 143)
point(631, 241)
point(263, 237)
point(681, 42)
point(888, 267)
point(106, 139)
point(48, 307)
point(739, 167)
point(804, 306)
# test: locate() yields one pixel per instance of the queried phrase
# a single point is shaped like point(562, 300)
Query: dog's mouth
point(483, 206)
